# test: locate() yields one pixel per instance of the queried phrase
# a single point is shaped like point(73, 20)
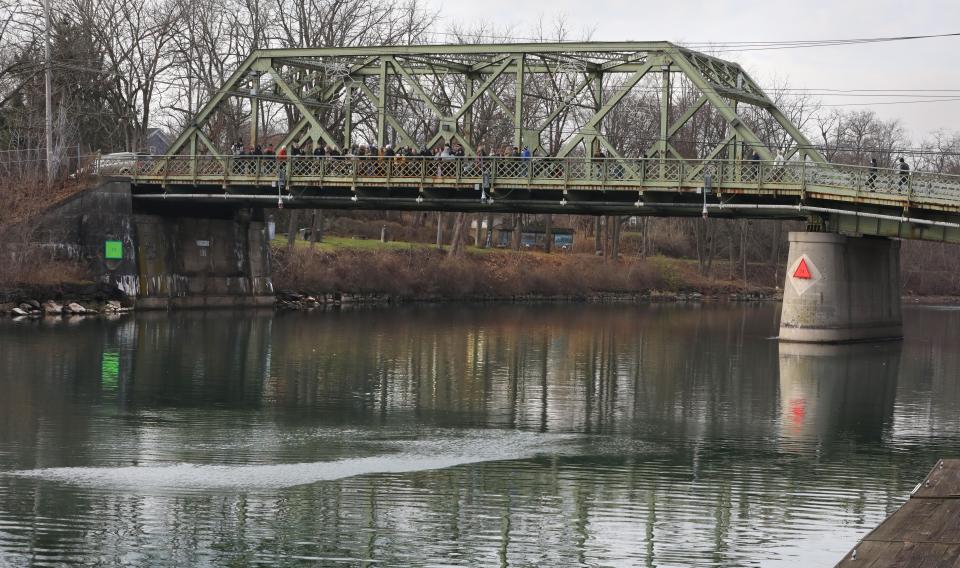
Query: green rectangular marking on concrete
point(113, 250)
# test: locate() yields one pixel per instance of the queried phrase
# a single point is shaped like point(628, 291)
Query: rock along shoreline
point(290, 300)
point(26, 304)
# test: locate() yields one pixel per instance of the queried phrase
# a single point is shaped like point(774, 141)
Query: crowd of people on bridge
point(452, 150)
point(449, 150)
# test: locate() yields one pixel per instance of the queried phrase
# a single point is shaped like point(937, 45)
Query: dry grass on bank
point(427, 273)
point(24, 262)
point(24, 198)
point(47, 273)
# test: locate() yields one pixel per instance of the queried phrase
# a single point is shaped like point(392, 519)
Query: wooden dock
point(924, 532)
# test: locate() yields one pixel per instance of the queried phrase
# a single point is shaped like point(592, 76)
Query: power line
point(725, 46)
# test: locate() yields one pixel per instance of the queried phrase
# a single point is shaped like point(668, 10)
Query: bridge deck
point(917, 205)
point(925, 531)
point(918, 190)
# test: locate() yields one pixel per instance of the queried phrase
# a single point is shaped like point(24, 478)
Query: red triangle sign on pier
point(802, 271)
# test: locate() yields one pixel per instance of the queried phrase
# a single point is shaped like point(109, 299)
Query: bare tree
point(137, 42)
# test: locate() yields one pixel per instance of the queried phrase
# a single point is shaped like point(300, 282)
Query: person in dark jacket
point(904, 173)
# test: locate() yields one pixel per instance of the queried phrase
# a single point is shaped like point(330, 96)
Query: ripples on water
point(487, 436)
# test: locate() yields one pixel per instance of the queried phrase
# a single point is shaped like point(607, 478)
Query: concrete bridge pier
point(841, 289)
point(212, 259)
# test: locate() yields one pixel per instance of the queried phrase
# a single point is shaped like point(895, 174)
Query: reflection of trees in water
point(930, 378)
point(47, 370)
point(551, 368)
point(690, 408)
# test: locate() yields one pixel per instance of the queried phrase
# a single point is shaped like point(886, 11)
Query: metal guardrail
point(849, 183)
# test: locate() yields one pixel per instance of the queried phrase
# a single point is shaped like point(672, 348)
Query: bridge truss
point(558, 99)
point(564, 101)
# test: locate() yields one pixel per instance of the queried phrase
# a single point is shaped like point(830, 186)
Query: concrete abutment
point(841, 289)
point(165, 255)
point(192, 262)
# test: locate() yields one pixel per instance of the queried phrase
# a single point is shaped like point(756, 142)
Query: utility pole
point(48, 83)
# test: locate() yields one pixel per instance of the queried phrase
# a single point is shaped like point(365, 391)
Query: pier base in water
point(841, 289)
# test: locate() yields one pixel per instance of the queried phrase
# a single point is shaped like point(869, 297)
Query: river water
point(462, 436)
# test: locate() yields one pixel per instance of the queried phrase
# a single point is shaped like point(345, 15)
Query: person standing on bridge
point(904, 174)
point(872, 175)
point(778, 163)
point(754, 165)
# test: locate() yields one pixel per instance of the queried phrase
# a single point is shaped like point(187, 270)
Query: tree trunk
point(420, 219)
point(292, 228)
point(597, 236)
point(548, 233)
point(606, 236)
point(459, 235)
point(643, 237)
point(732, 262)
point(615, 249)
point(775, 252)
point(488, 239)
point(703, 234)
point(316, 233)
point(439, 230)
point(743, 250)
point(517, 230)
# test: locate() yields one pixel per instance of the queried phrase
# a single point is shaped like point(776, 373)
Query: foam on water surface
point(411, 456)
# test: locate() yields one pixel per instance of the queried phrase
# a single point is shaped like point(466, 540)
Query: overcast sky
point(917, 64)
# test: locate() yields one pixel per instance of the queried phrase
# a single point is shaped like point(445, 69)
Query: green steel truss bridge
point(423, 95)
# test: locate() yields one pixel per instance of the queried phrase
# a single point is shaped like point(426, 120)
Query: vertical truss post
point(468, 114)
point(518, 108)
point(254, 108)
point(347, 116)
point(382, 105)
point(734, 151)
point(591, 144)
point(193, 157)
point(664, 119)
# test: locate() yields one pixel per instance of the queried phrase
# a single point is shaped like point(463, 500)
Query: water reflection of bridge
point(837, 391)
point(677, 411)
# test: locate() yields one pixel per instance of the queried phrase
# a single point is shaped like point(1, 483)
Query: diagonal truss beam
point(304, 111)
point(479, 91)
point(393, 122)
point(680, 123)
point(591, 125)
point(718, 103)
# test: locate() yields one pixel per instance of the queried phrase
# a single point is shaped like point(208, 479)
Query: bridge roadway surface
point(852, 199)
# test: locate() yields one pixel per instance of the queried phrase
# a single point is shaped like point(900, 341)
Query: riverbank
point(56, 299)
point(424, 274)
point(308, 278)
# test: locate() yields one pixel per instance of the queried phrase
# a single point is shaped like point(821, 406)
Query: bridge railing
point(884, 181)
point(578, 170)
point(546, 172)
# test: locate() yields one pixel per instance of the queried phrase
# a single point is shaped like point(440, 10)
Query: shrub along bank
point(419, 273)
